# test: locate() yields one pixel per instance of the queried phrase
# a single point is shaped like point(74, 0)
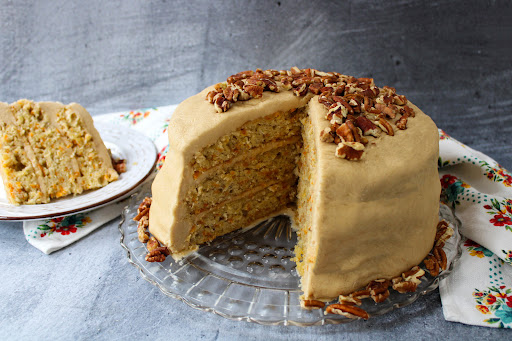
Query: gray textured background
point(451, 58)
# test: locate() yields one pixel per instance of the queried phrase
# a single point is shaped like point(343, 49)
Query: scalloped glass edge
point(169, 284)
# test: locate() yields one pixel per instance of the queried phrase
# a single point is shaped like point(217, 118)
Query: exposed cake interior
point(246, 176)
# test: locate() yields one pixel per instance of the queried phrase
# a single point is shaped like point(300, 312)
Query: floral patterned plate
point(248, 275)
point(124, 143)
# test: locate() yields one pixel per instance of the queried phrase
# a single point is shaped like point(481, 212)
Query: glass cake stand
point(248, 275)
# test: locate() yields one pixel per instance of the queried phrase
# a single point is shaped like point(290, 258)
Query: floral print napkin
point(479, 289)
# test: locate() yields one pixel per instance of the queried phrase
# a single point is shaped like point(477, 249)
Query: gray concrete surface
point(451, 58)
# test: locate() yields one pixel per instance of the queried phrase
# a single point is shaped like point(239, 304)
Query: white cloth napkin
point(479, 289)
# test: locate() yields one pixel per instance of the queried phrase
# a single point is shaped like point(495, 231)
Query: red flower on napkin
point(501, 220)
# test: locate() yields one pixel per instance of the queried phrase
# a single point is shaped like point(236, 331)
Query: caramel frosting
point(372, 218)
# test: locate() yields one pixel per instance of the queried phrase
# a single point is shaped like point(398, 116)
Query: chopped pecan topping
point(210, 97)
point(300, 90)
point(220, 103)
point(346, 98)
point(347, 310)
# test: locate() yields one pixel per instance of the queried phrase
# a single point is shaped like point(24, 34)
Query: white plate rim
point(141, 157)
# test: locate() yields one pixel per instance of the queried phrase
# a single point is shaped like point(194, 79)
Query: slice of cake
point(352, 164)
point(49, 150)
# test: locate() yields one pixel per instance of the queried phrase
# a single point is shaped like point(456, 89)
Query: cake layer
point(259, 169)
point(50, 150)
point(242, 211)
point(273, 127)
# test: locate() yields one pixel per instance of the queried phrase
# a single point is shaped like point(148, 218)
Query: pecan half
point(346, 310)
point(325, 135)
point(402, 122)
point(413, 275)
point(300, 90)
point(440, 256)
point(367, 126)
point(239, 76)
point(312, 304)
point(379, 290)
point(346, 151)
point(385, 126)
point(220, 103)
point(349, 300)
point(400, 100)
point(231, 93)
point(255, 91)
point(407, 110)
point(142, 233)
point(142, 213)
point(315, 88)
point(444, 232)
point(405, 286)
point(152, 244)
point(157, 255)
point(345, 132)
point(119, 165)
point(210, 96)
point(361, 294)
point(432, 265)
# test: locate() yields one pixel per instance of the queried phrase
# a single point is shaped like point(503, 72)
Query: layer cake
point(353, 165)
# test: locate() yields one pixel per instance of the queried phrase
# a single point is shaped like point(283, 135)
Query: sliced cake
point(352, 164)
point(50, 150)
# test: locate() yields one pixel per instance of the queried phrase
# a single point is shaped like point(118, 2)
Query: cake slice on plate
point(49, 150)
